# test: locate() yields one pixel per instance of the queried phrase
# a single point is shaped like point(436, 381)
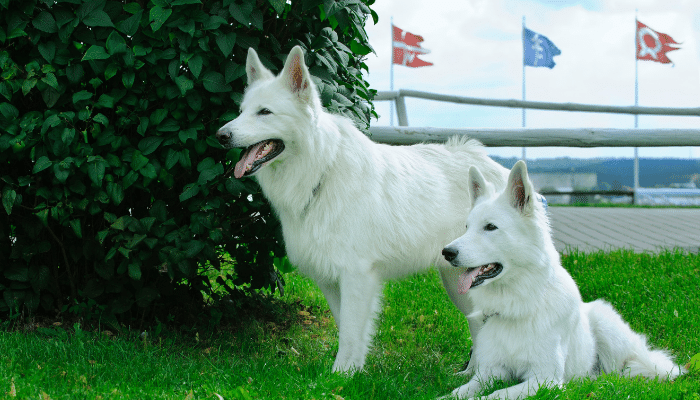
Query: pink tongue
point(466, 279)
point(247, 158)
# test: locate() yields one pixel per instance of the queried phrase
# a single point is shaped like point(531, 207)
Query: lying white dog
point(535, 327)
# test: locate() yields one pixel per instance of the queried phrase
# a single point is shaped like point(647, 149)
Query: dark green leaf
point(47, 50)
point(82, 95)
point(45, 22)
point(8, 199)
point(74, 73)
point(149, 144)
point(157, 17)
point(28, 85)
point(169, 125)
point(77, 228)
point(145, 296)
point(184, 84)
point(135, 271)
point(195, 65)
point(68, 135)
point(98, 18)
point(159, 211)
point(8, 111)
point(43, 216)
point(278, 5)
point(138, 160)
point(60, 172)
point(101, 118)
point(128, 79)
point(226, 43)
point(41, 164)
point(192, 248)
point(129, 179)
point(214, 22)
point(115, 192)
point(171, 158)
point(158, 116)
point(105, 101)
point(211, 173)
point(242, 12)
point(130, 25)
point(256, 19)
point(50, 79)
point(17, 273)
point(120, 223)
point(189, 191)
point(111, 70)
point(185, 160)
point(214, 82)
point(115, 43)
point(190, 133)
point(149, 171)
point(360, 49)
point(95, 52)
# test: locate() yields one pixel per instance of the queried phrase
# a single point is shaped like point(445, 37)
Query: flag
point(653, 45)
point(538, 51)
point(406, 46)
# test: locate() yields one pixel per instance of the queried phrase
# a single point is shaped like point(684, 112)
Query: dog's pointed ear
point(520, 190)
point(477, 184)
point(296, 76)
point(254, 68)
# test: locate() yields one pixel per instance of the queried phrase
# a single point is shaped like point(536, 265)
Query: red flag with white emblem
point(653, 45)
point(407, 47)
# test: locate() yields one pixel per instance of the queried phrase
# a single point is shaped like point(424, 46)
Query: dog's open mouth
point(256, 156)
point(473, 277)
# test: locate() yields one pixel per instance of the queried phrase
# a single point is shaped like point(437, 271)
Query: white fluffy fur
point(354, 213)
point(537, 330)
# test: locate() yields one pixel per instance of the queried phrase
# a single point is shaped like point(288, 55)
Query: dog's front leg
point(521, 390)
point(477, 383)
point(450, 278)
point(360, 294)
point(331, 291)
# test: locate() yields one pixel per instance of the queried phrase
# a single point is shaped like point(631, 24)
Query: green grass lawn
point(421, 341)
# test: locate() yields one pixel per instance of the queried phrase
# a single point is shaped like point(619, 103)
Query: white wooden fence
point(546, 137)
point(536, 137)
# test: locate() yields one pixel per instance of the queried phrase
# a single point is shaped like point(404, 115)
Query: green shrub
point(116, 197)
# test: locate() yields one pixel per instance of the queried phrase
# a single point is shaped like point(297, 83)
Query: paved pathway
point(642, 229)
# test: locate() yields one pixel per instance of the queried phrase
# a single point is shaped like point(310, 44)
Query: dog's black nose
point(222, 136)
point(449, 254)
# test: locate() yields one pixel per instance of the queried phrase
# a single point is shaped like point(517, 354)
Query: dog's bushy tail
point(621, 350)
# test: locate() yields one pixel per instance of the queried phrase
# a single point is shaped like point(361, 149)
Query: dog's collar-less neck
point(488, 316)
point(314, 193)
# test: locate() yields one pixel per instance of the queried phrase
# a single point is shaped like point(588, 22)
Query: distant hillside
point(619, 172)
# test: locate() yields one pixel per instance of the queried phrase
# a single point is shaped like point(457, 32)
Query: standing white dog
point(354, 213)
point(535, 327)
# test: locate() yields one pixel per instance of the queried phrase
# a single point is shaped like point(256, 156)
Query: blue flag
point(538, 51)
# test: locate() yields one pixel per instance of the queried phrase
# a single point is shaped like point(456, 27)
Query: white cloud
point(477, 51)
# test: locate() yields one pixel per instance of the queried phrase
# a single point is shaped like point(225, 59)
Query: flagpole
point(523, 122)
point(636, 104)
point(391, 72)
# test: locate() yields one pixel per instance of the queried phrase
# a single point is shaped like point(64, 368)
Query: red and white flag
point(406, 48)
point(653, 45)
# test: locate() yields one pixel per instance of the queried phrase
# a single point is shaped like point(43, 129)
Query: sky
point(476, 49)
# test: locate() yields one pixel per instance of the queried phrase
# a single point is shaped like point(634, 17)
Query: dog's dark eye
point(490, 227)
point(264, 111)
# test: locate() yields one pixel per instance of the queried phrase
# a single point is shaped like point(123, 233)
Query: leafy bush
point(116, 197)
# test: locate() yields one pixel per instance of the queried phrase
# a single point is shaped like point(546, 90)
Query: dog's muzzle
point(224, 137)
point(449, 254)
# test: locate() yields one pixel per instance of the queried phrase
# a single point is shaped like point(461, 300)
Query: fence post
point(401, 110)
